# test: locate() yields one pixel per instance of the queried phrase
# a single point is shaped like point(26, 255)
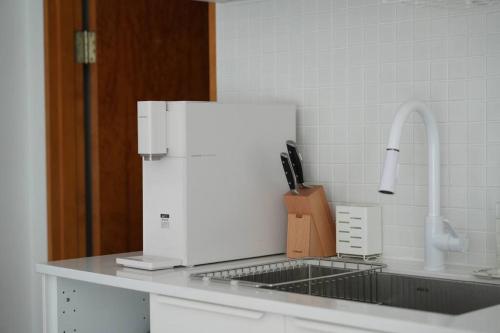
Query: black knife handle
point(296, 160)
point(290, 176)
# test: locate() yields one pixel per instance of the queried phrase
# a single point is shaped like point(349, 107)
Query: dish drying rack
point(328, 277)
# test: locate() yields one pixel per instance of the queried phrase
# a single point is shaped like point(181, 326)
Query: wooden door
point(146, 50)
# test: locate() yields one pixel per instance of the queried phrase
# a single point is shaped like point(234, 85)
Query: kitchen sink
point(434, 294)
point(364, 282)
point(403, 291)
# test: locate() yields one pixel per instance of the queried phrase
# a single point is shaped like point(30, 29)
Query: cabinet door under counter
point(171, 314)
point(298, 325)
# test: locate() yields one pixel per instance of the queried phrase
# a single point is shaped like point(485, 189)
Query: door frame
point(212, 50)
point(64, 131)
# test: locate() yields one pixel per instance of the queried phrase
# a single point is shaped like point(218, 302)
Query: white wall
point(348, 64)
point(22, 165)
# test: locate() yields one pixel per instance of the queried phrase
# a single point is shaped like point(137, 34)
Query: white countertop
point(177, 283)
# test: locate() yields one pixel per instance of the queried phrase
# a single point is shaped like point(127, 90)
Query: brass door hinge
point(85, 50)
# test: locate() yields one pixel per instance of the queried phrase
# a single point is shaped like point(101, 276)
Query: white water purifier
point(212, 181)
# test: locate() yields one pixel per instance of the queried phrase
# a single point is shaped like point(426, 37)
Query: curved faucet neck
point(432, 143)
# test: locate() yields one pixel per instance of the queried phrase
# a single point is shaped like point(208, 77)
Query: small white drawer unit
point(359, 230)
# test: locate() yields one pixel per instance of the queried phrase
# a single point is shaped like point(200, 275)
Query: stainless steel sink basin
point(363, 282)
point(435, 295)
point(404, 291)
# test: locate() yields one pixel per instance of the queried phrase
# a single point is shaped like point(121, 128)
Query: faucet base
point(434, 256)
point(439, 238)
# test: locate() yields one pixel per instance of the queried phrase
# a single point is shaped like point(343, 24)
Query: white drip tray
point(148, 262)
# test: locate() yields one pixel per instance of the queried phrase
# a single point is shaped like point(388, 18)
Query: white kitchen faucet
point(439, 235)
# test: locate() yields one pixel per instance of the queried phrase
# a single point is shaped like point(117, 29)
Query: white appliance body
point(217, 193)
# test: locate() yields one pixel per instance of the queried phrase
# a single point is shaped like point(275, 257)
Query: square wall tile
point(348, 65)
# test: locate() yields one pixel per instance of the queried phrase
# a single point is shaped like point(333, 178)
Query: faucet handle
point(449, 229)
point(455, 242)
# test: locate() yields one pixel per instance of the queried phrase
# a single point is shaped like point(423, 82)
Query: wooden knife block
point(311, 228)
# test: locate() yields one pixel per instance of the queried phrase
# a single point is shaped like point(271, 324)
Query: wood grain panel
point(309, 202)
point(64, 132)
point(212, 40)
point(146, 50)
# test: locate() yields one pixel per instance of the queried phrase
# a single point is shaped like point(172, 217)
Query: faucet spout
point(439, 235)
point(389, 174)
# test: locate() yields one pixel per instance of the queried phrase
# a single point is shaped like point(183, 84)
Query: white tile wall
point(348, 65)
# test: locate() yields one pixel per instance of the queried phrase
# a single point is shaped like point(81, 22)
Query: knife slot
point(299, 230)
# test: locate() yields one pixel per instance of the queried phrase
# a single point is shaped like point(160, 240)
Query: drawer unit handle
point(355, 247)
point(210, 307)
point(343, 241)
point(346, 222)
point(357, 237)
point(355, 218)
point(359, 228)
point(344, 231)
point(324, 327)
point(342, 212)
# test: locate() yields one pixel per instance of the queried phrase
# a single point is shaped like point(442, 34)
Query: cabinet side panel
point(88, 307)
